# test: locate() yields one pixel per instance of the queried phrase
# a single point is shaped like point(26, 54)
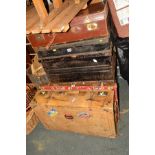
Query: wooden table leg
point(41, 10)
point(57, 3)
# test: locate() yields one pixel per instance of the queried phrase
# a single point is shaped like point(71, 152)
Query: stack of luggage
point(82, 58)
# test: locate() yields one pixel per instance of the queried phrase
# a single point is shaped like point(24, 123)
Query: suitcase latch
point(92, 26)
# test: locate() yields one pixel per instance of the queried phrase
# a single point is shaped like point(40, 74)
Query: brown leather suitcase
point(89, 23)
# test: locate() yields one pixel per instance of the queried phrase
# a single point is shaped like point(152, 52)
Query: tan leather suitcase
point(86, 112)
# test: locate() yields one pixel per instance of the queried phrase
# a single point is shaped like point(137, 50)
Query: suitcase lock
point(91, 26)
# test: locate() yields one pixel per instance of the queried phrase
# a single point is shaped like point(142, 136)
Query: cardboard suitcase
point(89, 23)
point(87, 111)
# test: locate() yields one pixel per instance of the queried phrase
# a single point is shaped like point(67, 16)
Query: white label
point(121, 4)
point(123, 16)
point(69, 50)
point(94, 60)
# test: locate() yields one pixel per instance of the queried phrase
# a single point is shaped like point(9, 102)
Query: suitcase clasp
point(92, 26)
